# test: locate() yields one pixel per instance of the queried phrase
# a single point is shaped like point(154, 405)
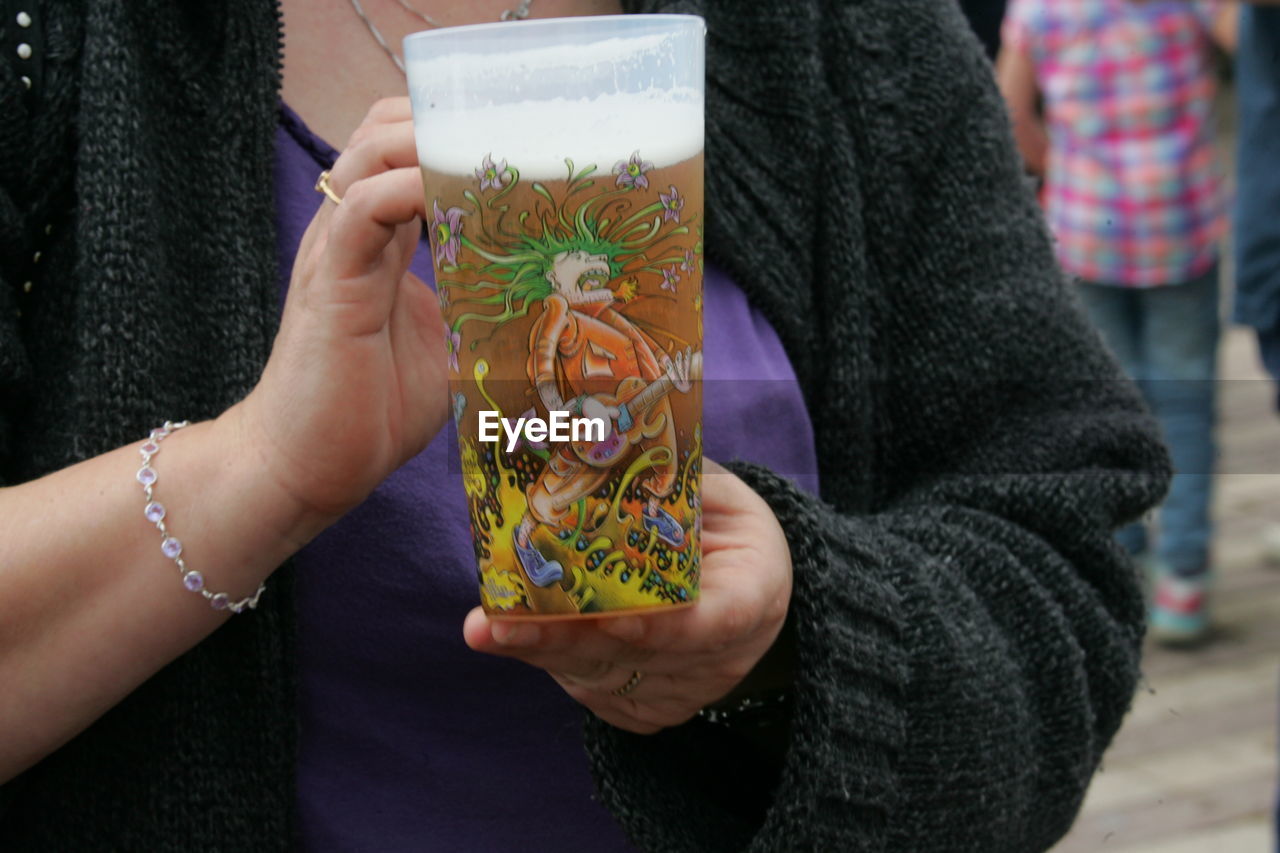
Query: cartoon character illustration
point(571, 268)
point(583, 349)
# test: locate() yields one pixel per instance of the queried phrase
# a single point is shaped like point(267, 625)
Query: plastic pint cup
point(562, 161)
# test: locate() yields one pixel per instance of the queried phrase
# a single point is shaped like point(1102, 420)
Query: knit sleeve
point(968, 643)
point(37, 139)
point(13, 355)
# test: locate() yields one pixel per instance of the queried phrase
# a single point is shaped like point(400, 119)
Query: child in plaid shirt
point(1132, 194)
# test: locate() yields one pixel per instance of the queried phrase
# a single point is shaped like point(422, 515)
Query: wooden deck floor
point(1194, 768)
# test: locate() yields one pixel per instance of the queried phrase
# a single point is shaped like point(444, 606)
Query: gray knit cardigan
point(967, 634)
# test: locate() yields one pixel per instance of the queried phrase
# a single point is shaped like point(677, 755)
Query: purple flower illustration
point(453, 344)
point(491, 176)
point(448, 233)
point(672, 204)
point(669, 279)
point(631, 173)
point(522, 440)
point(687, 265)
point(443, 294)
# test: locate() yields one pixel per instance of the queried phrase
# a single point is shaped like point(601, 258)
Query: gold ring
point(636, 677)
point(322, 186)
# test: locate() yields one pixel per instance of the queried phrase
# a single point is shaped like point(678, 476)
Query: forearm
point(550, 396)
point(1033, 142)
point(90, 607)
point(1016, 76)
point(1226, 28)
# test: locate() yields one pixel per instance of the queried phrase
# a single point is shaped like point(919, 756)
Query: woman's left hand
point(688, 658)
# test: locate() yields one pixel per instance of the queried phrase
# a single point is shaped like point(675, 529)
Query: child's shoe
point(1179, 610)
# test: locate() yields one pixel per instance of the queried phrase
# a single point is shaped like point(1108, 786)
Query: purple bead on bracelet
point(170, 546)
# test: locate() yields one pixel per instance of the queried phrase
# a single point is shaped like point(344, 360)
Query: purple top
point(409, 740)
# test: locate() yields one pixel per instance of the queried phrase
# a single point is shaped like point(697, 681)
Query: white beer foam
point(528, 59)
point(537, 136)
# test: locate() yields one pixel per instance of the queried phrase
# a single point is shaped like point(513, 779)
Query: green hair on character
point(512, 275)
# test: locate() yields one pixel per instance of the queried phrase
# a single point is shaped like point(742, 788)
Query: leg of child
point(1115, 312)
point(1182, 331)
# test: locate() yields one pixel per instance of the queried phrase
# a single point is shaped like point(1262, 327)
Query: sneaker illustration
point(541, 571)
point(666, 526)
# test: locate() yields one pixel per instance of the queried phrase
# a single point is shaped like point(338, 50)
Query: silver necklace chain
point(519, 13)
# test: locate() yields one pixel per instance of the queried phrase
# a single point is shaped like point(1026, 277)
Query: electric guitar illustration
point(633, 399)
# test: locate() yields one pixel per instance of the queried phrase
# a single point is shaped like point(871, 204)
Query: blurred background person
point(1124, 140)
point(1257, 207)
point(1257, 213)
point(1257, 210)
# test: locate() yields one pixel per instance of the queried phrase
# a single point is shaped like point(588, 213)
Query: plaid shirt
point(1132, 191)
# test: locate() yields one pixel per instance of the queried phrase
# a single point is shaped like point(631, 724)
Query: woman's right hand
point(357, 381)
point(355, 385)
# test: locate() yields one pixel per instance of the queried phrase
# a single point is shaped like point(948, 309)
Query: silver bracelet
point(169, 545)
